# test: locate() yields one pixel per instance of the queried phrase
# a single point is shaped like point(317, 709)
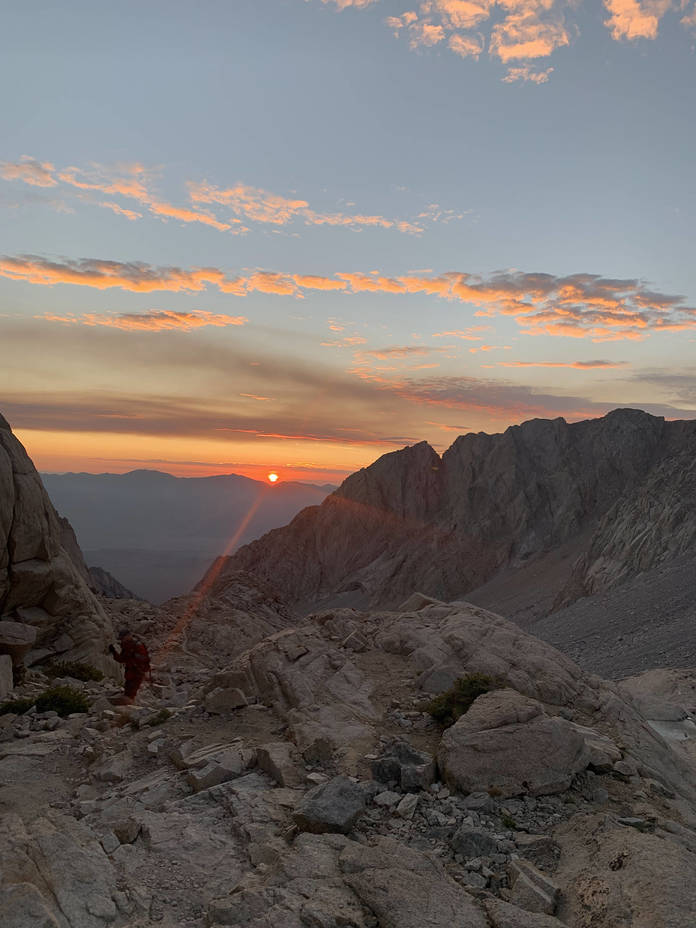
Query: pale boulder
point(507, 743)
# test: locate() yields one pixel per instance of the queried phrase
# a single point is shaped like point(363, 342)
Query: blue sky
point(289, 235)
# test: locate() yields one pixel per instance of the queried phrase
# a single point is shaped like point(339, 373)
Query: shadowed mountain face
point(44, 597)
point(494, 506)
point(157, 533)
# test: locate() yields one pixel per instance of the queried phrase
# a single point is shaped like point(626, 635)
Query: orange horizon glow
point(114, 453)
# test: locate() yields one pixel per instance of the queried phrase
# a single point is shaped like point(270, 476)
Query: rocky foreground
point(297, 782)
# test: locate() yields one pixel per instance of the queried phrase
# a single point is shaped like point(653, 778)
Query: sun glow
point(273, 477)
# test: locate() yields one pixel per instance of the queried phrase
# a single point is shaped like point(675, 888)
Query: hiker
point(135, 656)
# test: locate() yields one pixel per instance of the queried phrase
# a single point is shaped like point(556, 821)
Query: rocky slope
point(493, 505)
point(320, 794)
point(40, 587)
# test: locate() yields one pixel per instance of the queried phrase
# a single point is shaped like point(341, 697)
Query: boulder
point(333, 807)
point(532, 889)
point(222, 767)
point(473, 842)
point(541, 850)
point(278, 760)
point(507, 743)
point(16, 639)
point(410, 768)
point(220, 700)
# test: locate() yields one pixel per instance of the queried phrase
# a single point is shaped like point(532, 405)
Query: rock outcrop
point(491, 504)
point(39, 583)
point(318, 802)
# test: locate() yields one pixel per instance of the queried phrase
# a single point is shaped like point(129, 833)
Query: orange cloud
point(459, 333)
point(578, 365)
point(345, 4)
point(463, 14)
point(259, 205)
point(631, 19)
point(119, 210)
point(466, 46)
point(529, 31)
point(401, 351)
point(186, 215)
point(29, 170)
point(578, 305)
point(527, 73)
point(314, 282)
point(134, 182)
point(103, 275)
point(155, 320)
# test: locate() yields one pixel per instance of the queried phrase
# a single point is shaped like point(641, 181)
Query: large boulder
point(508, 744)
point(39, 582)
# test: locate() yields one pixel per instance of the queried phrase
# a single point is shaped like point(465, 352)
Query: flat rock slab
point(332, 807)
point(407, 889)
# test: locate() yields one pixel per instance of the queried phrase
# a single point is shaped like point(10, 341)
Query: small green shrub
point(62, 699)
point(508, 821)
point(74, 669)
point(160, 718)
point(17, 706)
point(458, 699)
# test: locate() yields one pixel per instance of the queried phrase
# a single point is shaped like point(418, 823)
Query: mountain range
point(524, 522)
point(158, 533)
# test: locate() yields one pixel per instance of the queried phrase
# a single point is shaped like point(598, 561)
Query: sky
point(253, 236)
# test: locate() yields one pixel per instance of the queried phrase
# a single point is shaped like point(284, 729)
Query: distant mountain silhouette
point(158, 533)
point(521, 522)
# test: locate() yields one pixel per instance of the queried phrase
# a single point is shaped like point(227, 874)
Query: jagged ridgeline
point(43, 596)
point(578, 506)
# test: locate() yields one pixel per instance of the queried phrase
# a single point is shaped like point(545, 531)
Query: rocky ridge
point(305, 785)
point(493, 505)
point(41, 589)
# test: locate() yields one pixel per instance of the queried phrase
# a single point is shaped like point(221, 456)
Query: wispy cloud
point(401, 351)
point(240, 203)
point(345, 4)
point(30, 171)
point(575, 306)
point(578, 365)
point(527, 73)
point(262, 206)
point(121, 211)
point(154, 320)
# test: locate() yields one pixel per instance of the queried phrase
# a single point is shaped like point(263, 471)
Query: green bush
point(160, 718)
point(17, 706)
point(458, 699)
point(74, 669)
point(62, 699)
point(508, 821)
